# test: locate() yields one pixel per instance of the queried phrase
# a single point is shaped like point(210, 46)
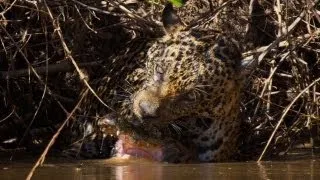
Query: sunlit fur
point(188, 80)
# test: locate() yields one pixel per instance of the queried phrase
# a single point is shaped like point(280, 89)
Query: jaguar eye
point(159, 69)
point(158, 73)
point(222, 41)
point(191, 97)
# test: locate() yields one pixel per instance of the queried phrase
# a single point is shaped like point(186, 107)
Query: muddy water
point(142, 170)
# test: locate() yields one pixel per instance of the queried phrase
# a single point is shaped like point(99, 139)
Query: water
point(144, 170)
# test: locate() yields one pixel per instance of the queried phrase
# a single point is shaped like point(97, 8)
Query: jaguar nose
point(148, 109)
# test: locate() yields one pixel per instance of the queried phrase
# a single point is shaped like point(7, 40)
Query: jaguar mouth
point(126, 145)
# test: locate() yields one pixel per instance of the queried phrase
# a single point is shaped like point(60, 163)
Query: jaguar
point(181, 102)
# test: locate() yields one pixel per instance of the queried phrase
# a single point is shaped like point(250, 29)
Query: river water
point(145, 170)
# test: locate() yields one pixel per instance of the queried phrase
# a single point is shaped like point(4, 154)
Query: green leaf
point(177, 3)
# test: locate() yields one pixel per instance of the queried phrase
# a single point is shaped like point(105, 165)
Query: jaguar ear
point(171, 21)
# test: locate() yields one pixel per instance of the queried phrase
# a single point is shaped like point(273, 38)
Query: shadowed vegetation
point(52, 51)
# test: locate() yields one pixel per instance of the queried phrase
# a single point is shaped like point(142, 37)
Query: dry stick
point(33, 71)
point(266, 49)
point(53, 68)
point(278, 40)
point(285, 55)
point(43, 95)
point(277, 9)
point(285, 35)
point(7, 117)
point(285, 111)
point(34, 116)
point(269, 84)
point(32, 68)
point(85, 23)
point(261, 56)
point(56, 25)
point(248, 57)
point(95, 9)
point(7, 9)
point(131, 14)
point(207, 18)
point(54, 137)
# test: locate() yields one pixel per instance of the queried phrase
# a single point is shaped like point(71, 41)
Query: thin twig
point(32, 68)
point(209, 17)
point(84, 22)
point(7, 9)
point(96, 9)
point(52, 68)
point(53, 139)
point(290, 30)
point(7, 117)
point(266, 49)
point(285, 111)
point(272, 72)
point(69, 56)
point(285, 35)
point(133, 15)
point(277, 9)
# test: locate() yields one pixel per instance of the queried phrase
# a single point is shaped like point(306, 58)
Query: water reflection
point(96, 170)
point(138, 172)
